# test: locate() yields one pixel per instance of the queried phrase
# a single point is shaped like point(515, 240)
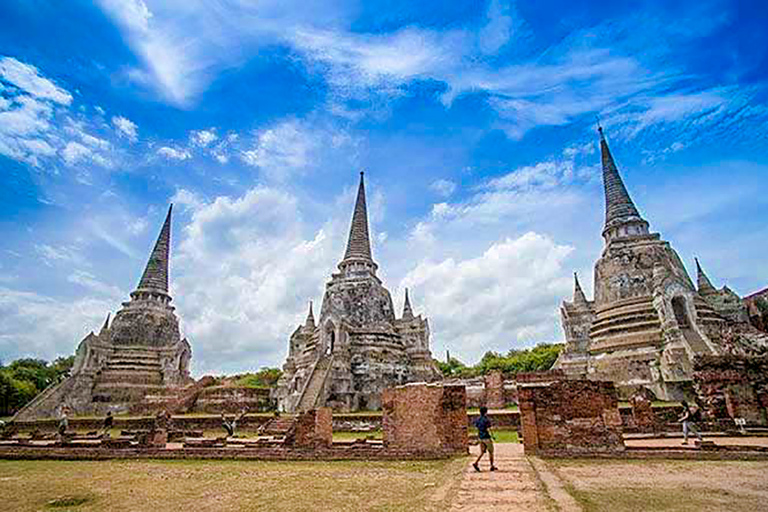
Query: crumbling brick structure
point(494, 390)
point(425, 417)
point(568, 417)
point(643, 417)
point(733, 386)
point(312, 429)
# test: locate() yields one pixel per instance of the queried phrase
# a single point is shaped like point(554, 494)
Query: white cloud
point(443, 187)
point(507, 297)
point(286, 146)
point(126, 128)
point(137, 226)
point(203, 138)
point(93, 285)
point(184, 44)
point(35, 325)
point(292, 146)
point(26, 114)
point(28, 78)
point(498, 31)
point(53, 255)
point(187, 198)
point(174, 153)
point(75, 153)
point(247, 262)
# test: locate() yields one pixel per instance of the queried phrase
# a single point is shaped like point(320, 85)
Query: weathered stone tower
point(647, 320)
point(139, 357)
point(358, 347)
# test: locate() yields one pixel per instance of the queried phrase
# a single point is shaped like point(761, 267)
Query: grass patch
point(507, 408)
point(130, 485)
point(499, 435)
point(350, 436)
point(68, 501)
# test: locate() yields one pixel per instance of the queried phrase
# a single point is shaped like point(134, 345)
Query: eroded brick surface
point(561, 417)
point(731, 386)
point(424, 417)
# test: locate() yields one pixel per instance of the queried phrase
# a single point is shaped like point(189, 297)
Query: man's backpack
point(696, 414)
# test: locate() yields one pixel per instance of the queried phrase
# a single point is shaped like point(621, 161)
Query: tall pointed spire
point(703, 283)
point(105, 327)
point(155, 277)
point(578, 293)
point(407, 311)
point(619, 208)
point(310, 323)
point(359, 244)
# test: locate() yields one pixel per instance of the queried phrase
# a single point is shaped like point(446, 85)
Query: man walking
point(109, 422)
point(483, 425)
point(689, 419)
point(63, 424)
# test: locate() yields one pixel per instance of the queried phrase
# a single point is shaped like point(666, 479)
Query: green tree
point(14, 393)
point(453, 368)
point(539, 358)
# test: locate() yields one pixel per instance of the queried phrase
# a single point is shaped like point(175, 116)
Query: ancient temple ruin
point(138, 358)
point(358, 347)
point(647, 320)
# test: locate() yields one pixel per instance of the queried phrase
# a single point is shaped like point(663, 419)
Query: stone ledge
point(349, 452)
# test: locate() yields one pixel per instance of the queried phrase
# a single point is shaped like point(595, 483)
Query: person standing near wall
point(483, 425)
point(109, 422)
point(689, 419)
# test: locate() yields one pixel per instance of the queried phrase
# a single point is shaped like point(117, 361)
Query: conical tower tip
point(155, 276)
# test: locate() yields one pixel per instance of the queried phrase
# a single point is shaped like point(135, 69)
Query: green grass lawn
point(228, 485)
point(351, 436)
point(499, 435)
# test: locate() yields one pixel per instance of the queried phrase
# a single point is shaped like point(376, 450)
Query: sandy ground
point(675, 442)
point(666, 485)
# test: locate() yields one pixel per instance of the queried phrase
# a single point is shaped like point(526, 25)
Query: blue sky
point(475, 123)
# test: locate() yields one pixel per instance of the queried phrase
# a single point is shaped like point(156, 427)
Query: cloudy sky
point(474, 120)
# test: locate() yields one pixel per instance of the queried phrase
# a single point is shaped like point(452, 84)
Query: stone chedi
point(138, 358)
point(647, 321)
point(358, 347)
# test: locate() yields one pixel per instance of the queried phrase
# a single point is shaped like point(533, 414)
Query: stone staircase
point(130, 374)
point(695, 342)
point(313, 388)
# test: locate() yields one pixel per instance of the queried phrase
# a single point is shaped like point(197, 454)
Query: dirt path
point(516, 486)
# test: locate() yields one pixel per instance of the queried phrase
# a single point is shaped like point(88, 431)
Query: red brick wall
point(425, 417)
point(731, 386)
point(561, 417)
point(314, 429)
point(494, 390)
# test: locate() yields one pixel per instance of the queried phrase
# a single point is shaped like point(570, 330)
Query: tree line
point(539, 358)
point(23, 379)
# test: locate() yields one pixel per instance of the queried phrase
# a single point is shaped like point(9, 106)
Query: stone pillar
point(494, 390)
point(425, 418)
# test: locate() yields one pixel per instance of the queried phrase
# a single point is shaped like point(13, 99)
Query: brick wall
point(425, 417)
point(494, 390)
point(313, 429)
point(731, 386)
point(569, 417)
